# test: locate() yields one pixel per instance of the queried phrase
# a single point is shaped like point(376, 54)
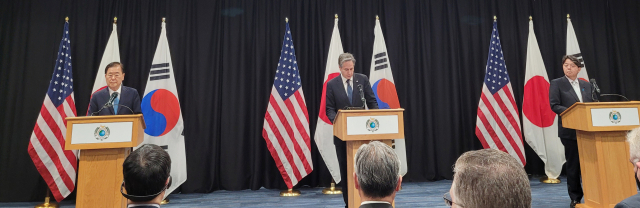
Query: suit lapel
point(572, 92)
point(583, 91)
point(342, 92)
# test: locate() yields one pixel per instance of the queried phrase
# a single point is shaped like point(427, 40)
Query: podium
point(601, 128)
point(358, 127)
point(105, 142)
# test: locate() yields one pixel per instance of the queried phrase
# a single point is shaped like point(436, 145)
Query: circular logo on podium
point(101, 133)
point(373, 124)
point(615, 117)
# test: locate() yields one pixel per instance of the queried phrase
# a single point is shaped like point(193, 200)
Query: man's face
point(347, 69)
point(570, 69)
point(114, 77)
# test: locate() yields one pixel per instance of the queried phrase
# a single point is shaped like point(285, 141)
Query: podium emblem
point(373, 124)
point(101, 133)
point(615, 117)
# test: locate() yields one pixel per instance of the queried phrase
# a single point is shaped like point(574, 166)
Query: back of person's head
point(633, 137)
point(490, 178)
point(377, 168)
point(146, 171)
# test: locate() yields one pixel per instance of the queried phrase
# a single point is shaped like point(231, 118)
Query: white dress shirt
point(374, 202)
point(344, 83)
point(576, 87)
point(119, 91)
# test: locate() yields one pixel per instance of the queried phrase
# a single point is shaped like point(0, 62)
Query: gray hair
point(346, 57)
point(633, 137)
point(490, 178)
point(378, 169)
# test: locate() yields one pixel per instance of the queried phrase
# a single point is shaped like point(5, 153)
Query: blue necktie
point(349, 92)
point(115, 105)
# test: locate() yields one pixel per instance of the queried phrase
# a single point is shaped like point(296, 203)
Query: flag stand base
point(47, 204)
point(290, 192)
point(549, 180)
point(166, 201)
point(332, 189)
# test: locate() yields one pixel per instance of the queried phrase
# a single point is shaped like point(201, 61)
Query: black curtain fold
point(225, 54)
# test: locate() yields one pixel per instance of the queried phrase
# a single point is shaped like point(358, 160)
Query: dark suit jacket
point(376, 205)
point(562, 96)
point(632, 201)
point(128, 97)
point(337, 96)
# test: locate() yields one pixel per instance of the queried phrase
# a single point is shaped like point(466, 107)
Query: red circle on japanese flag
point(535, 105)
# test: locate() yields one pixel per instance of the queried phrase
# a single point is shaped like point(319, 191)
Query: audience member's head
point(634, 149)
point(146, 174)
point(377, 172)
point(489, 178)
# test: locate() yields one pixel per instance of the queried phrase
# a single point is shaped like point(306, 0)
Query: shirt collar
point(345, 79)
point(119, 90)
point(143, 205)
point(572, 81)
point(374, 202)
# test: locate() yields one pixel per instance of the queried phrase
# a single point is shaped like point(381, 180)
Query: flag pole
point(333, 190)
point(47, 203)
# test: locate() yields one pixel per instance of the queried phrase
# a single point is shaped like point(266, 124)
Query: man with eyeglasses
point(488, 178)
point(146, 173)
point(564, 92)
point(633, 138)
point(377, 175)
point(115, 99)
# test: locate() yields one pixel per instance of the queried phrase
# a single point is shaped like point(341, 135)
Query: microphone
point(108, 104)
point(362, 96)
point(595, 90)
point(127, 107)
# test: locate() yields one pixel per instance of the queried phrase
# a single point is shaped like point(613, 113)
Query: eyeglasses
point(448, 201)
point(113, 75)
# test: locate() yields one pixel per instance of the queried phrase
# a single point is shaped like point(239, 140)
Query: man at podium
point(564, 92)
point(115, 99)
point(347, 90)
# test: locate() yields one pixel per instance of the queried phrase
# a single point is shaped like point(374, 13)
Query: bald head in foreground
point(489, 178)
point(377, 175)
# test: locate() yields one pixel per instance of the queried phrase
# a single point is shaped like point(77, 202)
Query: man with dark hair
point(489, 178)
point(377, 175)
point(124, 100)
point(146, 173)
point(564, 92)
point(344, 91)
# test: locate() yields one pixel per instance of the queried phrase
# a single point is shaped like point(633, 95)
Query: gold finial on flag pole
point(495, 18)
point(115, 20)
point(286, 19)
point(66, 19)
point(530, 18)
point(568, 16)
point(377, 18)
point(163, 19)
point(336, 16)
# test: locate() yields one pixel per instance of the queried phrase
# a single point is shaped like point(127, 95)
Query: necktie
point(349, 92)
point(115, 105)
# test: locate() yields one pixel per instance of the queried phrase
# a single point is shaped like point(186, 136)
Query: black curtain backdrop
point(225, 55)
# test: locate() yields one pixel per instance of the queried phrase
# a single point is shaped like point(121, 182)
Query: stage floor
point(413, 194)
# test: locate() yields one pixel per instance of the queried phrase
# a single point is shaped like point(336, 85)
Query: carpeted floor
point(417, 194)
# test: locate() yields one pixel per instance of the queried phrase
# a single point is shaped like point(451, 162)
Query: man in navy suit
point(146, 176)
point(127, 100)
point(564, 92)
point(344, 91)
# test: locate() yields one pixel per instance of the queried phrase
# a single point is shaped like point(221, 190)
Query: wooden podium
point(358, 127)
point(601, 128)
point(104, 141)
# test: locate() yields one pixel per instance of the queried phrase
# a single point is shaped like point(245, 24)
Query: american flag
point(286, 123)
point(57, 166)
point(498, 123)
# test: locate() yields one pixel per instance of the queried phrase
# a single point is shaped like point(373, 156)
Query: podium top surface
point(371, 110)
point(109, 118)
point(624, 104)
